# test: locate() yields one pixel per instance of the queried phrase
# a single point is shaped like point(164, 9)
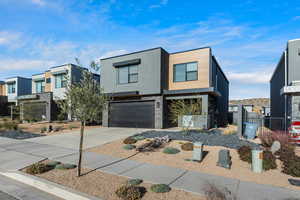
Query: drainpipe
point(285, 84)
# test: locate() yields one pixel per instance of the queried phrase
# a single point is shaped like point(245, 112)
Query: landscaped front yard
point(239, 169)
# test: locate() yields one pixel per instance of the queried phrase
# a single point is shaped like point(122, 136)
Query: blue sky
point(247, 37)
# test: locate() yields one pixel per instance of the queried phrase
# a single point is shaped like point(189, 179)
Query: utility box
point(198, 151)
point(257, 161)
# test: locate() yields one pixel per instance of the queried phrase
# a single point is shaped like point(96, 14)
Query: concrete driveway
point(93, 137)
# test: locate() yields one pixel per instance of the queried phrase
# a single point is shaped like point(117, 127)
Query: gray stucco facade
point(285, 85)
point(152, 85)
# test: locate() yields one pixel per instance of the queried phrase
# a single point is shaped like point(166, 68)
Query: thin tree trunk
point(80, 148)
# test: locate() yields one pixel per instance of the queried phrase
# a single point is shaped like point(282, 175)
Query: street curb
point(47, 186)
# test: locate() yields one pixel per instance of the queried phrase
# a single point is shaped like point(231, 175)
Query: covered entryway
point(132, 114)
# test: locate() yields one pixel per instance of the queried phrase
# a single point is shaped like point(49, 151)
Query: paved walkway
point(178, 178)
point(13, 190)
point(16, 154)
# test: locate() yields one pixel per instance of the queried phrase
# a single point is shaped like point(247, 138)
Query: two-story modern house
point(285, 86)
point(50, 87)
point(143, 84)
point(15, 87)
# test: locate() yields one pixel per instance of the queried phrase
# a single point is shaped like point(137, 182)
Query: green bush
point(134, 182)
point(171, 150)
point(160, 188)
point(130, 192)
point(72, 126)
point(65, 166)
point(129, 140)
point(269, 161)
point(129, 147)
point(38, 168)
point(245, 154)
point(43, 129)
point(187, 146)
point(53, 163)
point(138, 137)
point(9, 125)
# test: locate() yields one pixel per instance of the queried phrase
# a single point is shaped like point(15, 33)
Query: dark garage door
point(132, 114)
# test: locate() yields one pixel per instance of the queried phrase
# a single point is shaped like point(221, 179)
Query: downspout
point(285, 84)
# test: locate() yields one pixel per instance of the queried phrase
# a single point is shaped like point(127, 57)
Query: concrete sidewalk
point(178, 178)
point(14, 190)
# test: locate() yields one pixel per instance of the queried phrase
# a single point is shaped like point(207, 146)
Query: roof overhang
point(210, 90)
point(127, 62)
point(290, 89)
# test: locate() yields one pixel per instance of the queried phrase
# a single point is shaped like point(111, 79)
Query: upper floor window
point(128, 74)
point(39, 86)
point(186, 72)
point(60, 81)
point(11, 88)
point(48, 80)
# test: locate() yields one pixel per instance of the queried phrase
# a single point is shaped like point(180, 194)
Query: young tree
point(84, 100)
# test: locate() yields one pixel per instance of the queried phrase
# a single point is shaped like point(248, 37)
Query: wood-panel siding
point(202, 57)
point(47, 85)
point(2, 90)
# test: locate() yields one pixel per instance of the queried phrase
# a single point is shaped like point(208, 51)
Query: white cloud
point(296, 18)
point(24, 64)
point(38, 2)
point(11, 39)
point(258, 77)
point(160, 4)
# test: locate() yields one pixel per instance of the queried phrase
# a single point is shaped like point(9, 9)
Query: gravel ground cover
point(20, 135)
point(103, 185)
point(211, 138)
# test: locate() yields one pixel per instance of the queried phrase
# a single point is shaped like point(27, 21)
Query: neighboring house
point(143, 84)
point(15, 87)
point(266, 110)
point(285, 86)
point(3, 100)
point(234, 108)
point(49, 87)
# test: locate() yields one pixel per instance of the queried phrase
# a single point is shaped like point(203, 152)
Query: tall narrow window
point(39, 86)
point(60, 81)
point(11, 88)
point(185, 72)
point(128, 74)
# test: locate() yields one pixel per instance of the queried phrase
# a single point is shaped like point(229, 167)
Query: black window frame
point(186, 72)
point(128, 74)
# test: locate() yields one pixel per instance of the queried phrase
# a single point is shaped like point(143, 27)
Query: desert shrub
point(292, 166)
point(153, 144)
point(138, 137)
point(212, 192)
point(269, 161)
point(187, 146)
point(53, 163)
point(171, 150)
point(72, 126)
point(267, 138)
point(65, 166)
point(134, 182)
point(129, 147)
point(38, 168)
point(160, 188)
point(129, 140)
point(245, 154)
point(286, 152)
point(130, 192)
point(43, 129)
point(57, 128)
point(10, 125)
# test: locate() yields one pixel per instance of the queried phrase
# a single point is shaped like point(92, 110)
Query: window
point(39, 86)
point(11, 88)
point(48, 80)
point(186, 72)
point(128, 74)
point(60, 81)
